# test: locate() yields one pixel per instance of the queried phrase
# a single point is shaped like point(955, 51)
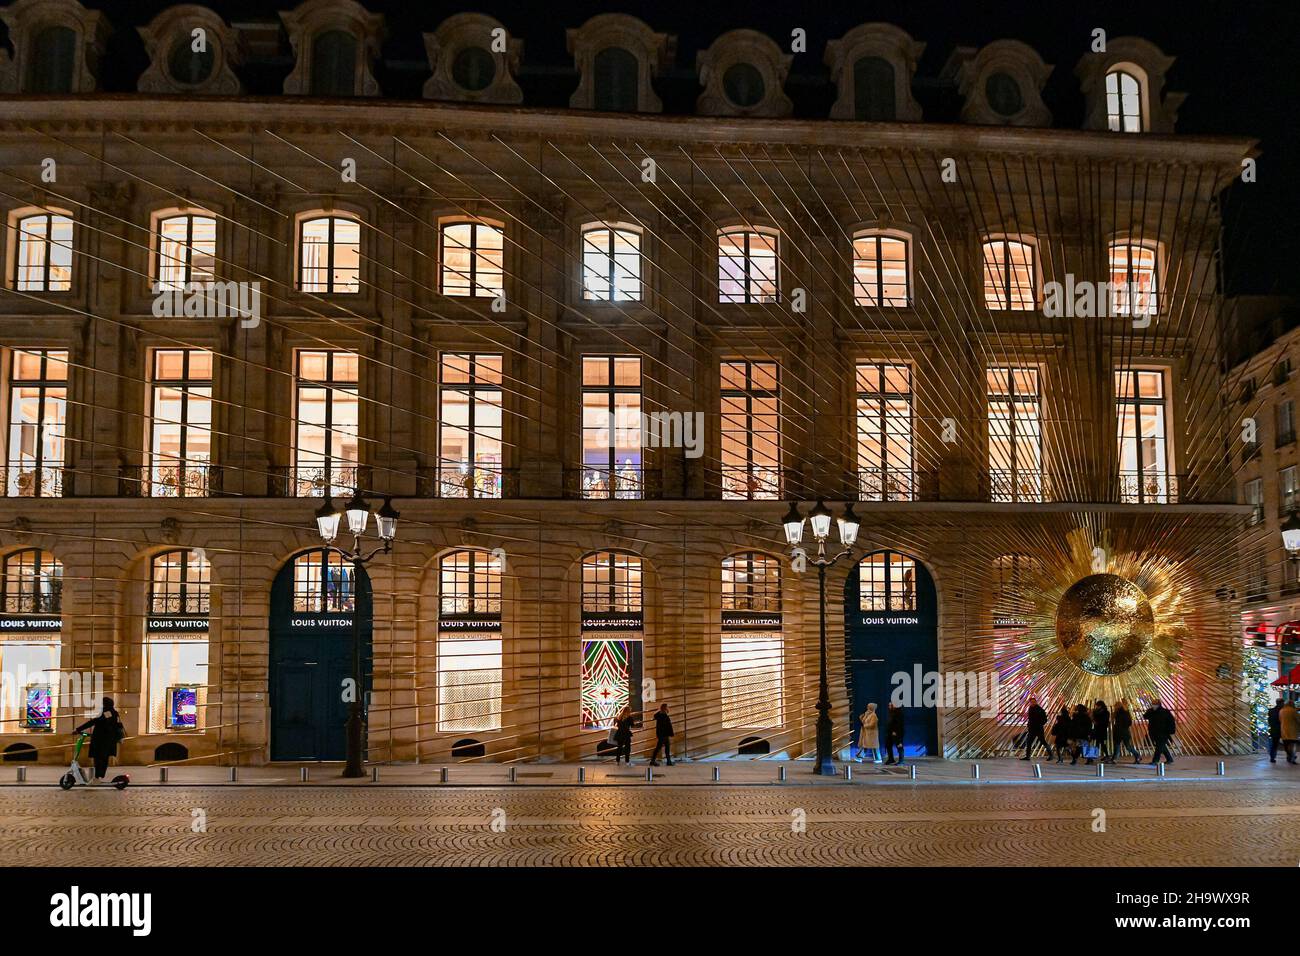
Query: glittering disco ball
point(1104, 624)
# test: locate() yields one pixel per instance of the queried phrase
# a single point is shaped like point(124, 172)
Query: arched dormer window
point(41, 250)
point(611, 262)
point(1010, 274)
point(57, 45)
point(329, 253)
point(617, 57)
point(1124, 88)
point(334, 44)
point(872, 66)
point(1124, 102)
point(192, 51)
point(471, 258)
point(32, 583)
point(466, 66)
point(333, 63)
point(882, 269)
point(743, 74)
point(1002, 84)
point(185, 248)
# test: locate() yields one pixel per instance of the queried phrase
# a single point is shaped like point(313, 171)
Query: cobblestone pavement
point(1194, 823)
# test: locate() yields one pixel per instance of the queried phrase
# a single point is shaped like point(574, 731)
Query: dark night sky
point(1236, 61)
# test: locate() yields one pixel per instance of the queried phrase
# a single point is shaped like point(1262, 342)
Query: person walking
point(894, 734)
point(869, 734)
point(1061, 732)
point(1080, 729)
point(1101, 730)
point(106, 732)
point(1161, 728)
point(1036, 719)
point(1275, 728)
point(623, 736)
point(1289, 719)
point(663, 736)
point(1122, 722)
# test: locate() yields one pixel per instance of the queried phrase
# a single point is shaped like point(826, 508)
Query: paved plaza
point(1250, 817)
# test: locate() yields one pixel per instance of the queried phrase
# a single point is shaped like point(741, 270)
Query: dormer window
point(872, 66)
point(1124, 88)
point(873, 89)
point(54, 56)
point(1002, 84)
point(615, 80)
point(617, 57)
point(333, 63)
point(1123, 102)
point(465, 64)
point(191, 50)
point(743, 74)
point(57, 45)
point(334, 43)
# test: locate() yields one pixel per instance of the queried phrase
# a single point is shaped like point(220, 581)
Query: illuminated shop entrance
point(312, 603)
point(891, 627)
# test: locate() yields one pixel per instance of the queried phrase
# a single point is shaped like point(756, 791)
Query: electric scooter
point(76, 775)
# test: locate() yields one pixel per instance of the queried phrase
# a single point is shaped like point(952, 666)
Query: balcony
point(25, 480)
point(318, 481)
point(886, 484)
point(463, 480)
point(1006, 484)
point(753, 482)
point(626, 483)
point(193, 479)
point(1147, 487)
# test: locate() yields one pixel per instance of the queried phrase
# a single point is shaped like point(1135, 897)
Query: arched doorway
point(891, 627)
point(313, 601)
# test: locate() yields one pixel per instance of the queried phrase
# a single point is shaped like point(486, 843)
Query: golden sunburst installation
point(1104, 624)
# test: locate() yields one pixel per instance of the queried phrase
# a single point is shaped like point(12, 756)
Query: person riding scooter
point(106, 732)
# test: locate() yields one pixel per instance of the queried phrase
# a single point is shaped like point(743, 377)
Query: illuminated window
point(751, 434)
point(611, 427)
point(611, 263)
point(1134, 287)
point(747, 265)
point(880, 271)
point(1123, 102)
point(473, 259)
point(38, 415)
point(885, 470)
point(326, 449)
point(329, 255)
point(187, 251)
point(469, 642)
point(887, 582)
point(180, 583)
point(176, 657)
point(43, 260)
point(1010, 279)
point(753, 646)
point(33, 583)
point(612, 638)
point(1015, 434)
point(180, 423)
point(1145, 465)
point(469, 426)
point(322, 584)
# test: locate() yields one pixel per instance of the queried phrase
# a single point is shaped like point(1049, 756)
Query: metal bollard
point(1038, 771)
point(304, 773)
point(717, 774)
point(442, 777)
point(514, 774)
point(1160, 770)
point(912, 770)
point(162, 774)
point(848, 773)
point(780, 773)
point(22, 774)
point(234, 774)
point(1222, 770)
point(582, 775)
point(974, 771)
point(374, 774)
point(649, 774)
point(1101, 769)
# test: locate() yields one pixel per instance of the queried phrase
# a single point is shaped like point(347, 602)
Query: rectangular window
point(1288, 483)
point(38, 414)
point(473, 259)
point(1253, 495)
point(885, 465)
point(43, 260)
point(1285, 420)
point(178, 683)
point(29, 703)
point(611, 264)
point(1015, 435)
point(880, 271)
point(747, 266)
point(751, 431)
point(329, 255)
point(752, 689)
point(187, 251)
point(887, 582)
point(1145, 466)
point(611, 427)
point(469, 426)
point(1133, 286)
point(180, 423)
point(326, 448)
point(1010, 277)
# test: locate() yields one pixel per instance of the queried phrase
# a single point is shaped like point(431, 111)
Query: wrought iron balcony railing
point(191, 479)
point(317, 481)
point(751, 482)
point(624, 483)
point(25, 480)
point(1148, 487)
point(1006, 484)
point(887, 484)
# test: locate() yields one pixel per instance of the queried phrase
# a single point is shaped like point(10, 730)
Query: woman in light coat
point(869, 735)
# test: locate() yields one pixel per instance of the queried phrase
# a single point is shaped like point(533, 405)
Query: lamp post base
point(354, 767)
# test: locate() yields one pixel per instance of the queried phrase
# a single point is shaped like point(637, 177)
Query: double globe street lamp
point(820, 519)
point(357, 511)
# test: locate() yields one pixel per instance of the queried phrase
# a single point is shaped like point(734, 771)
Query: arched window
point(334, 64)
point(32, 583)
point(469, 642)
point(617, 80)
point(881, 270)
point(186, 250)
point(329, 254)
point(887, 582)
point(753, 644)
point(1134, 277)
point(1124, 102)
point(322, 584)
point(874, 95)
point(472, 254)
point(612, 638)
point(180, 583)
point(747, 265)
point(1010, 275)
point(43, 257)
point(52, 63)
point(611, 262)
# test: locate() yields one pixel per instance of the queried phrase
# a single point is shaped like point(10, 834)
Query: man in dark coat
point(1160, 727)
point(1037, 720)
point(894, 734)
point(663, 736)
point(106, 731)
point(1274, 729)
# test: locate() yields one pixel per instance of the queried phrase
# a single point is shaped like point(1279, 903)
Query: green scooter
point(76, 775)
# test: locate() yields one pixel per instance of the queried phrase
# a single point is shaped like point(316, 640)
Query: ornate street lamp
point(820, 519)
point(357, 511)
